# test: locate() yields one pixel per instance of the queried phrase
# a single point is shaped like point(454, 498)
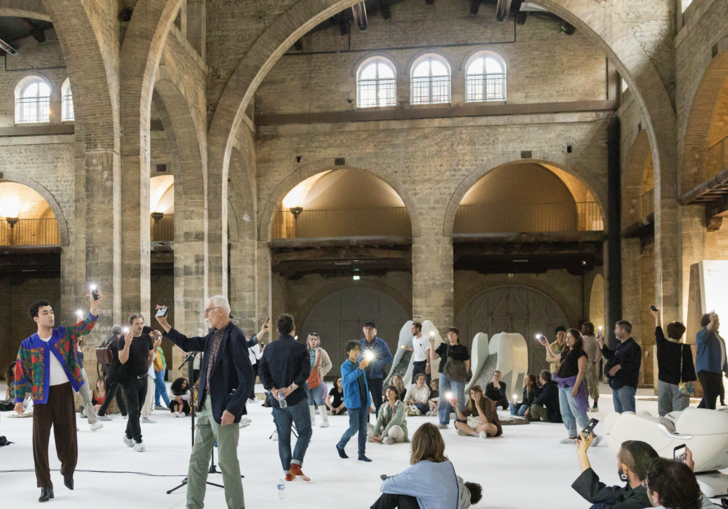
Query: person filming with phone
point(225, 380)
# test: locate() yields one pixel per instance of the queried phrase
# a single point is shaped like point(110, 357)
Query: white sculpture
point(507, 353)
point(479, 352)
point(405, 339)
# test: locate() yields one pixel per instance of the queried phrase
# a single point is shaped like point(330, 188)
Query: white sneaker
point(388, 441)
point(96, 425)
point(177, 414)
point(325, 424)
point(442, 426)
point(568, 440)
point(140, 447)
point(129, 441)
point(597, 439)
point(147, 420)
point(245, 422)
point(483, 435)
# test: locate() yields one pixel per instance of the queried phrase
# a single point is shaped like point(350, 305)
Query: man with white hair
point(226, 376)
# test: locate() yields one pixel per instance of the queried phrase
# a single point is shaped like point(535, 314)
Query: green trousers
point(208, 432)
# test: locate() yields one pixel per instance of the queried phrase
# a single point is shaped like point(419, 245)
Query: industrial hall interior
point(435, 254)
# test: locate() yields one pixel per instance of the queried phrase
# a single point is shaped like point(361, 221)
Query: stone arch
point(47, 196)
point(702, 111)
point(335, 286)
point(299, 175)
point(595, 186)
point(32, 9)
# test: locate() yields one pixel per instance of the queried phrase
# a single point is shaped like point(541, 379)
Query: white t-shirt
point(254, 353)
point(57, 375)
point(418, 395)
point(420, 346)
point(150, 371)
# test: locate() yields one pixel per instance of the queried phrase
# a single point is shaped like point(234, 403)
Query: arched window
point(32, 101)
point(376, 84)
point(67, 105)
point(485, 79)
point(431, 81)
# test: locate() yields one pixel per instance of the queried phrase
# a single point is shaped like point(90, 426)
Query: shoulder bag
point(454, 369)
point(314, 379)
point(687, 388)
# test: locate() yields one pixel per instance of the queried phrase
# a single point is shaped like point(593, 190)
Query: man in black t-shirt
point(454, 350)
point(133, 355)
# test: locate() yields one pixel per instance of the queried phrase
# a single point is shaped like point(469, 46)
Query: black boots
point(45, 494)
point(68, 481)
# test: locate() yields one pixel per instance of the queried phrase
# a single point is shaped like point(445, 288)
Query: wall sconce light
point(12, 221)
point(157, 216)
point(296, 211)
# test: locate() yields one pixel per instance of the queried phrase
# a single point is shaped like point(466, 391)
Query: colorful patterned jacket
point(34, 363)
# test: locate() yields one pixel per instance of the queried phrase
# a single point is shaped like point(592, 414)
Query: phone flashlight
point(600, 328)
point(368, 355)
point(79, 313)
point(125, 329)
point(515, 398)
point(449, 395)
point(94, 290)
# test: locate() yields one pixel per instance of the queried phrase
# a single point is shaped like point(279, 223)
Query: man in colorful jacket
point(47, 362)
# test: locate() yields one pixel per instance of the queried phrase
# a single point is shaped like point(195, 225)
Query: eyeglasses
point(207, 311)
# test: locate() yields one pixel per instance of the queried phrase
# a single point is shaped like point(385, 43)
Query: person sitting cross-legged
point(418, 394)
point(391, 425)
point(530, 393)
point(480, 417)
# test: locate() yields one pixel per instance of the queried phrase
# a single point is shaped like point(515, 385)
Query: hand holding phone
point(589, 428)
point(161, 311)
point(679, 453)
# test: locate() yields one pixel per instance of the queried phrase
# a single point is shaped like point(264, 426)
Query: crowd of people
point(49, 369)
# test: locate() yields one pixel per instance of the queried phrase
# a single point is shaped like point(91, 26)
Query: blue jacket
point(709, 352)
point(350, 373)
point(382, 357)
point(232, 375)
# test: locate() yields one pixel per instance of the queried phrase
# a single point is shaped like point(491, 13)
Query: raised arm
point(550, 355)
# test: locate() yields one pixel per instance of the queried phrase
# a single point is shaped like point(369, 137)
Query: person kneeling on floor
point(546, 406)
point(633, 460)
point(480, 417)
point(431, 481)
point(391, 425)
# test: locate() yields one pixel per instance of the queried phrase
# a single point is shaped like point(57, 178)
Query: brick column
point(432, 280)
point(243, 254)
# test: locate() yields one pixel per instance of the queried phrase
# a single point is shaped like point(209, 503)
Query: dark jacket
point(670, 355)
point(284, 362)
point(232, 375)
point(628, 355)
point(613, 497)
point(549, 397)
point(500, 396)
point(382, 357)
point(528, 397)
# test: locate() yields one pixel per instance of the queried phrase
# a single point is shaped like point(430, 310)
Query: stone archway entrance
point(513, 309)
point(340, 316)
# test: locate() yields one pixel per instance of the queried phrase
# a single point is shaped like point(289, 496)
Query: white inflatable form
point(512, 360)
point(405, 339)
point(479, 352)
point(429, 330)
point(704, 431)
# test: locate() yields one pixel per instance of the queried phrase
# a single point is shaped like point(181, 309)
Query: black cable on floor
point(30, 470)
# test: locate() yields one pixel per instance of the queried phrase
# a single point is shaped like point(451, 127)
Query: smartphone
point(678, 453)
point(161, 312)
point(94, 291)
point(653, 307)
point(589, 429)
point(540, 337)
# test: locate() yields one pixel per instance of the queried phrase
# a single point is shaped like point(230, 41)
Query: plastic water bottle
point(282, 400)
point(281, 489)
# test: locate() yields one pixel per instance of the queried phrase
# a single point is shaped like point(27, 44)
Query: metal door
point(513, 309)
point(340, 316)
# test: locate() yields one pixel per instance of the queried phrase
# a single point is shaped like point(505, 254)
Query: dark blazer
point(628, 355)
point(549, 398)
point(232, 374)
point(498, 395)
point(614, 497)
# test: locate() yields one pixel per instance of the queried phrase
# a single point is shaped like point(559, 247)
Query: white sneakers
point(483, 435)
point(129, 441)
point(96, 425)
point(245, 422)
point(325, 424)
point(147, 420)
point(140, 447)
point(568, 440)
point(388, 440)
point(178, 414)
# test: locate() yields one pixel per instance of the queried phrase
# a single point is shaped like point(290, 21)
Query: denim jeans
point(570, 412)
point(284, 419)
point(160, 389)
point(520, 411)
point(315, 396)
point(458, 389)
point(358, 418)
point(420, 367)
point(624, 399)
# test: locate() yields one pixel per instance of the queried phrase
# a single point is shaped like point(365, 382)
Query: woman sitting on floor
point(335, 399)
point(399, 384)
point(431, 481)
point(98, 396)
point(434, 400)
point(418, 394)
point(530, 393)
point(480, 417)
point(179, 399)
point(391, 425)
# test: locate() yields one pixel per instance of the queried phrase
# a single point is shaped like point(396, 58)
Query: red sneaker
point(296, 472)
point(290, 477)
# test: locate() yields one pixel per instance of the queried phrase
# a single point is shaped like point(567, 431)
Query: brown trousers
point(58, 412)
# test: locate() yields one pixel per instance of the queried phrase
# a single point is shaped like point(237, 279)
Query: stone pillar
point(432, 280)
point(263, 290)
point(243, 270)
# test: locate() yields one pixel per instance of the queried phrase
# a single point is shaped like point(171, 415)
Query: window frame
point(484, 76)
point(42, 114)
point(415, 80)
point(67, 102)
point(378, 82)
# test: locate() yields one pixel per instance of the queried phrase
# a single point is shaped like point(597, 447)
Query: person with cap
point(379, 358)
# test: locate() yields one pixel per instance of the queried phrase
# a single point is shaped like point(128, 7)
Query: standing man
point(283, 370)
point(255, 353)
point(134, 354)
point(420, 346)
point(623, 366)
point(710, 360)
point(557, 346)
point(225, 380)
point(356, 399)
point(47, 362)
point(593, 357)
point(375, 368)
point(160, 370)
point(113, 388)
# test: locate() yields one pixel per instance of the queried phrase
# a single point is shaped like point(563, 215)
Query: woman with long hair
point(98, 396)
point(391, 425)
point(430, 482)
point(335, 399)
point(179, 399)
point(480, 417)
point(399, 384)
point(320, 365)
point(573, 399)
point(530, 393)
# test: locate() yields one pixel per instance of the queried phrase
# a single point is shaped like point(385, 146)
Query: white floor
point(527, 467)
